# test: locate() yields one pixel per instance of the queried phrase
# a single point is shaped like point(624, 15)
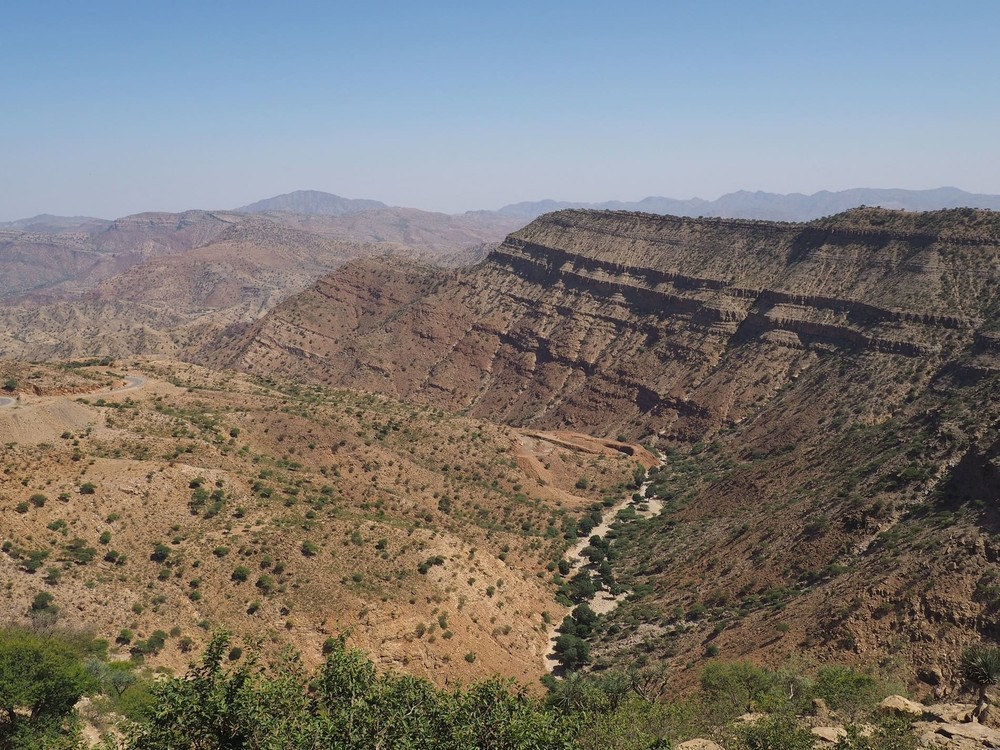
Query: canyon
point(823, 396)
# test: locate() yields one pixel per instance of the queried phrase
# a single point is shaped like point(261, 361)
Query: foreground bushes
point(244, 702)
point(344, 705)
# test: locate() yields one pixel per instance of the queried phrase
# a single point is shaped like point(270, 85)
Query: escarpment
point(626, 322)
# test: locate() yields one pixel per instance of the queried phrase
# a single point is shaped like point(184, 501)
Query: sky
point(111, 108)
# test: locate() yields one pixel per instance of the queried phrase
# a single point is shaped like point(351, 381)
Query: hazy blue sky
point(109, 108)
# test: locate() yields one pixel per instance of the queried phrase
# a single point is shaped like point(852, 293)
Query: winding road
point(132, 383)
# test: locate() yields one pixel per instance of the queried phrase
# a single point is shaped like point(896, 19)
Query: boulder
point(829, 734)
point(949, 713)
point(985, 736)
point(897, 704)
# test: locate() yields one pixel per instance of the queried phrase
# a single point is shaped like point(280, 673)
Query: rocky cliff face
point(630, 322)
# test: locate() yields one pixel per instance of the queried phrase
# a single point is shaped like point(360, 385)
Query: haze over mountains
point(742, 204)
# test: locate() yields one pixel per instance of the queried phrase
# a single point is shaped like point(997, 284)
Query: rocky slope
point(827, 392)
point(38, 260)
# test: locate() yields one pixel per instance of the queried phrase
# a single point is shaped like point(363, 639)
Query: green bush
point(41, 678)
point(42, 602)
point(344, 704)
point(779, 732)
point(739, 687)
point(846, 690)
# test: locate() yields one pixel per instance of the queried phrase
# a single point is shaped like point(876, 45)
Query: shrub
point(739, 687)
point(42, 677)
point(845, 689)
point(78, 552)
point(774, 732)
point(427, 564)
point(42, 601)
point(345, 703)
point(240, 574)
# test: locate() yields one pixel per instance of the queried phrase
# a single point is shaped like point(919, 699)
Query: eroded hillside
point(154, 497)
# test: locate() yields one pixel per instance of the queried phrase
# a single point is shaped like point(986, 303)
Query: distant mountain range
point(745, 204)
point(742, 204)
point(48, 223)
